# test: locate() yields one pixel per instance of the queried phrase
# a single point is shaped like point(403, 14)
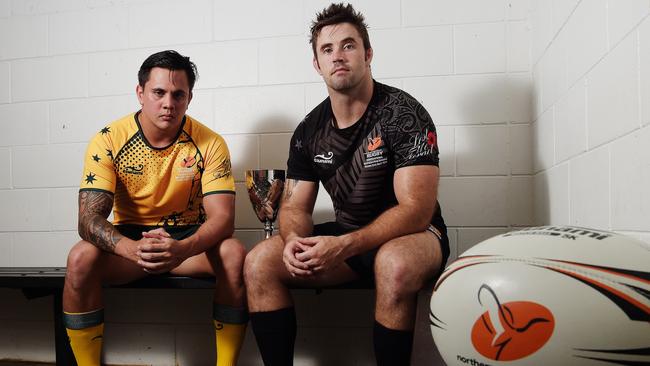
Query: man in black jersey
point(374, 148)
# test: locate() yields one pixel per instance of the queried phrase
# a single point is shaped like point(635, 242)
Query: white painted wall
point(68, 67)
point(591, 70)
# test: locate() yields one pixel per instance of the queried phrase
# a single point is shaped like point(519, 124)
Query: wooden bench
point(40, 281)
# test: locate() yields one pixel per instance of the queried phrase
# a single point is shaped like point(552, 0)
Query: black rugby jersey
point(357, 164)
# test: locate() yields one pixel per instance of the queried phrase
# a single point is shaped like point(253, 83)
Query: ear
point(369, 54)
point(139, 92)
point(317, 66)
point(190, 99)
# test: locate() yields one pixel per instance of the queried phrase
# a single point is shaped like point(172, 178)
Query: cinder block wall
point(69, 67)
point(591, 69)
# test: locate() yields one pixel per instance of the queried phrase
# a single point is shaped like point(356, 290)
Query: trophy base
point(268, 229)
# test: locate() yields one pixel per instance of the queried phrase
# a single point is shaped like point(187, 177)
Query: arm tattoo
point(288, 189)
point(94, 208)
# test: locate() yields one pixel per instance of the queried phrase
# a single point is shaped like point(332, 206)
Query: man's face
point(164, 98)
point(341, 58)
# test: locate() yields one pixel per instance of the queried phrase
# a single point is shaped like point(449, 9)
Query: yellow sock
point(229, 340)
point(86, 334)
point(87, 344)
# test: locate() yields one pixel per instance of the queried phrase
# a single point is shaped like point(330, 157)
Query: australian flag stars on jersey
point(357, 164)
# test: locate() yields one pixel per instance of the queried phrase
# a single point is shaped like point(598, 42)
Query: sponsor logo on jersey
point(325, 158)
point(422, 144)
point(134, 169)
point(183, 174)
point(224, 170)
point(432, 139)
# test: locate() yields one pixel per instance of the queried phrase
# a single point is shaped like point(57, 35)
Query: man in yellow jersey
point(168, 180)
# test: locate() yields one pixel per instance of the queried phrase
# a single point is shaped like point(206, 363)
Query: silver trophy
point(264, 190)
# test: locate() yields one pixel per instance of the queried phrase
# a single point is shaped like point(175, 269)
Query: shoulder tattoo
point(290, 185)
point(94, 208)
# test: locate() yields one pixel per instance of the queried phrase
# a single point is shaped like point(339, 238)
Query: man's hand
point(321, 253)
point(128, 249)
point(159, 253)
point(292, 248)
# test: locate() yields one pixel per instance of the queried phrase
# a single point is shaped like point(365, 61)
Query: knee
point(395, 277)
point(256, 265)
point(82, 263)
point(232, 252)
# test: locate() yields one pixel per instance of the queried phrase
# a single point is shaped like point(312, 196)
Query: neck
point(348, 106)
point(155, 136)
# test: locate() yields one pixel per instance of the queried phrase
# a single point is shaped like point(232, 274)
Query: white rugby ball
point(549, 295)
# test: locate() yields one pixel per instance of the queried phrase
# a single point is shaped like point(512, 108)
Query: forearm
point(416, 190)
point(397, 221)
point(98, 231)
point(212, 232)
point(294, 222)
point(93, 227)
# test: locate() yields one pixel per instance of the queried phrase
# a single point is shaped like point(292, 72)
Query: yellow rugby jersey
point(157, 186)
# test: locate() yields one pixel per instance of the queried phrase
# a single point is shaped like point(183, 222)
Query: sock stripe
point(229, 314)
point(83, 320)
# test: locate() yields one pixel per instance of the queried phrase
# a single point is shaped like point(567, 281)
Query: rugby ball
point(549, 295)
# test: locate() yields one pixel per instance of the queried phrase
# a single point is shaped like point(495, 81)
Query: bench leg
point(64, 355)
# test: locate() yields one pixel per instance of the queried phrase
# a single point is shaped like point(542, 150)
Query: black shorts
point(363, 264)
point(134, 232)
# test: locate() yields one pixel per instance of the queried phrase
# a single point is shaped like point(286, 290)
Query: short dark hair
point(170, 60)
point(336, 14)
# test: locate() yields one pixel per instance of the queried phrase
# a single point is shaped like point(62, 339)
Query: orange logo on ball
point(510, 331)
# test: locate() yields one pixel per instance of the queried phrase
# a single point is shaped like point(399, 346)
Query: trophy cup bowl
point(264, 190)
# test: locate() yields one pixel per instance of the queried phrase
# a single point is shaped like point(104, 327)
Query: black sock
point(392, 347)
point(275, 332)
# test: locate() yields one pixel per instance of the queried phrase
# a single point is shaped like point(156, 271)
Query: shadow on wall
point(486, 180)
point(276, 124)
point(275, 153)
point(542, 144)
point(542, 214)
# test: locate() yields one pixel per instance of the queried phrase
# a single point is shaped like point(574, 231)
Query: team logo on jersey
point(325, 158)
point(188, 162)
point(374, 143)
point(375, 155)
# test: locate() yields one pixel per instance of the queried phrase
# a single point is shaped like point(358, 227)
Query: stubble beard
point(345, 83)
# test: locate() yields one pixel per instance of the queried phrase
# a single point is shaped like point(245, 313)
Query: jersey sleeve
point(99, 171)
point(414, 140)
point(218, 177)
point(299, 165)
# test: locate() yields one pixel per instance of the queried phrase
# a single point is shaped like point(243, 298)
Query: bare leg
point(402, 266)
point(224, 261)
point(268, 281)
point(269, 300)
point(88, 268)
